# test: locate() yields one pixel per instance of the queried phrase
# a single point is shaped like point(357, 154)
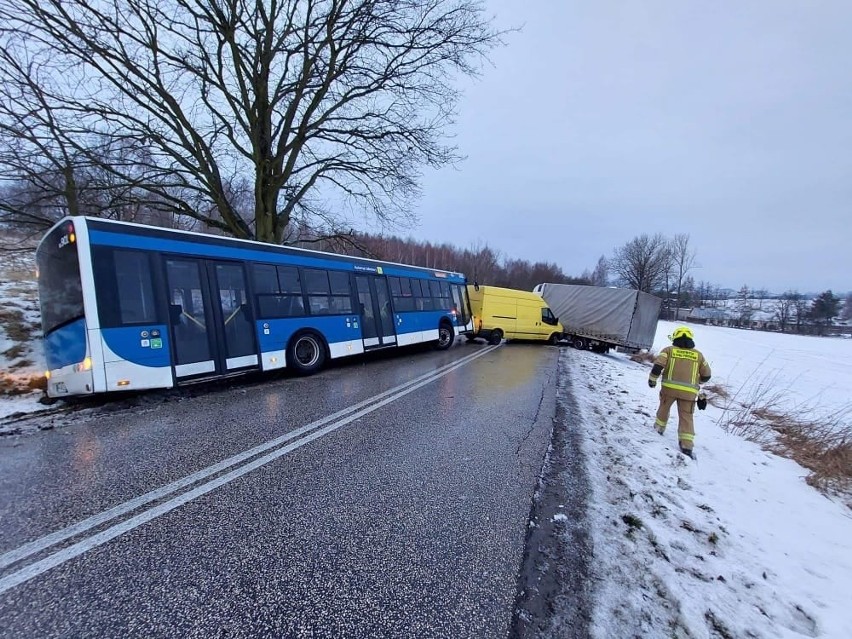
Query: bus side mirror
point(175, 311)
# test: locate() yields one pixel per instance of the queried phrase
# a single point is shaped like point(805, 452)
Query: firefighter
point(683, 369)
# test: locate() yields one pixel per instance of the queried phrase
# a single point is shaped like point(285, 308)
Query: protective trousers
point(685, 408)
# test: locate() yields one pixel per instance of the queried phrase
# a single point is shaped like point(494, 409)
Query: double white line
point(302, 436)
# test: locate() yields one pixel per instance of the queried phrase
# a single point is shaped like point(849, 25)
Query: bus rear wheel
point(446, 337)
point(306, 353)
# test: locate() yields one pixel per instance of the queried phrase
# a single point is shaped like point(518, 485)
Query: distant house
point(764, 321)
point(710, 316)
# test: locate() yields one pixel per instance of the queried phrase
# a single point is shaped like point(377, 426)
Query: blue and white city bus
point(129, 307)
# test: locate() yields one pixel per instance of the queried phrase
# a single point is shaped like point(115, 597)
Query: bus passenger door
point(377, 324)
point(190, 316)
point(210, 318)
point(237, 345)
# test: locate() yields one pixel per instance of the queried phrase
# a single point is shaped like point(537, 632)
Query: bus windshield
point(59, 287)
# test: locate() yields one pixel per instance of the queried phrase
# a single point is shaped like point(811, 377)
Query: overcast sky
point(602, 120)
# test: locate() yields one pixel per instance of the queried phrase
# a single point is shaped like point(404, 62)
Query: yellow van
point(508, 313)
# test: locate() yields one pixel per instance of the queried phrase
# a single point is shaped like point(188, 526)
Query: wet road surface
point(380, 498)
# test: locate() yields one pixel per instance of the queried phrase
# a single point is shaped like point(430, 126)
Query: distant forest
point(480, 264)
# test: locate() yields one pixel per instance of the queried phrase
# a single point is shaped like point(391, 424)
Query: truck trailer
point(600, 318)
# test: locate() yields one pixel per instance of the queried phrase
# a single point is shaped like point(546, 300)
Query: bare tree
point(704, 292)
point(683, 260)
point(641, 263)
point(846, 313)
point(802, 305)
point(743, 306)
point(761, 295)
point(600, 276)
point(688, 291)
point(785, 308)
point(484, 266)
point(319, 110)
point(667, 278)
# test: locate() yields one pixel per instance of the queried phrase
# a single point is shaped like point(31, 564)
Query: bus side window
point(406, 301)
point(435, 289)
point(341, 292)
point(125, 287)
point(278, 290)
point(318, 290)
point(290, 285)
point(265, 279)
point(446, 296)
point(422, 298)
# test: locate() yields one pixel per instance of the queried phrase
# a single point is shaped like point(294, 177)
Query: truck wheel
point(496, 337)
point(580, 343)
point(553, 340)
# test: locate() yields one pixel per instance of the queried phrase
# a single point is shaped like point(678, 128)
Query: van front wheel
point(554, 339)
point(496, 337)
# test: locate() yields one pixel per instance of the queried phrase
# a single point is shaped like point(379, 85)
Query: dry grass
point(643, 357)
point(15, 325)
point(717, 395)
point(821, 443)
point(19, 273)
point(15, 352)
point(14, 384)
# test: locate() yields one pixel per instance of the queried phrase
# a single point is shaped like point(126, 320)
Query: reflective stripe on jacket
point(683, 370)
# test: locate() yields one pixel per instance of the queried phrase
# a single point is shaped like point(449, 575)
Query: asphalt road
point(387, 497)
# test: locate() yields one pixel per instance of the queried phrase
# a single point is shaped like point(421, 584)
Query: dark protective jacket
point(683, 368)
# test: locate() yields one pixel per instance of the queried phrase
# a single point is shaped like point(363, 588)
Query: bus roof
point(135, 229)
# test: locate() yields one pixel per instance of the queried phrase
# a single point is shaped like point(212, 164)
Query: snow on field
point(808, 370)
point(735, 544)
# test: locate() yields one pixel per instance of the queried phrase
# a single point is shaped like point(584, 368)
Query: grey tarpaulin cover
point(618, 315)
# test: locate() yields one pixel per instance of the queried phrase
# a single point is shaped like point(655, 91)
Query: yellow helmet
point(682, 331)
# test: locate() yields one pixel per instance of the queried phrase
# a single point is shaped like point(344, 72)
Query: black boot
point(688, 452)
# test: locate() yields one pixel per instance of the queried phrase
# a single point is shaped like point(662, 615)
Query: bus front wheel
point(306, 353)
point(446, 337)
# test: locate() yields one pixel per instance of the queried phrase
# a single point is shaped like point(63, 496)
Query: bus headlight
point(85, 365)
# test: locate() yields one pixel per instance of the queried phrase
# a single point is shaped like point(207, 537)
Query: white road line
point(84, 545)
point(42, 543)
